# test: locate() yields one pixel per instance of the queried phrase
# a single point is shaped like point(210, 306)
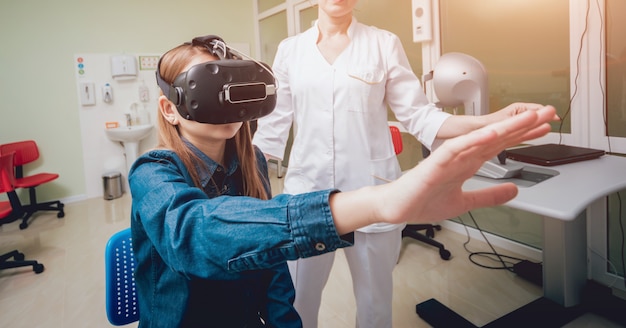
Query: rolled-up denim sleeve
point(312, 224)
point(311, 228)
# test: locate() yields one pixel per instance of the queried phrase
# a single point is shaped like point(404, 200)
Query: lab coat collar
point(351, 28)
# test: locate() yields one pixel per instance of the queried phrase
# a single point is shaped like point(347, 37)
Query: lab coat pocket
point(367, 88)
point(385, 170)
point(369, 75)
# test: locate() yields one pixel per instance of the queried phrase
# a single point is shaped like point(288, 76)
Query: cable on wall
point(578, 57)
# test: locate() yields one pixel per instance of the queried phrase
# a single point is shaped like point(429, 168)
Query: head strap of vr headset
point(216, 47)
point(214, 44)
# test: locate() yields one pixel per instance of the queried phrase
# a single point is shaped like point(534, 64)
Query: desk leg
point(564, 259)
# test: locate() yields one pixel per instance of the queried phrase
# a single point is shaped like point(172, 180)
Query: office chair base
point(18, 261)
point(11, 218)
point(411, 231)
point(50, 206)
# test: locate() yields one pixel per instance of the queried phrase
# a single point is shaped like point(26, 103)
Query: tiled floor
point(70, 292)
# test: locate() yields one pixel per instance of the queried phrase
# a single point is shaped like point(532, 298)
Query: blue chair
point(122, 305)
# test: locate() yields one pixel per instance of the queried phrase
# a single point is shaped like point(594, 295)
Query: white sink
point(133, 133)
point(129, 137)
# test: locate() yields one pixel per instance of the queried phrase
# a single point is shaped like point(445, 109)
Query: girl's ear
point(168, 110)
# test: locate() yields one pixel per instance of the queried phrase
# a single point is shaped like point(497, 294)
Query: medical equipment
point(460, 79)
point(227, 90)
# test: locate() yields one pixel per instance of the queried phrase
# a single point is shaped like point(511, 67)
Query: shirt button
point(219, 169)
point(320, 246)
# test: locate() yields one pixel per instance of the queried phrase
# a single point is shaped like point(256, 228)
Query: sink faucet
point(129, 121)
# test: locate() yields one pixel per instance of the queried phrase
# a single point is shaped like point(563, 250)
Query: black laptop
point(552, 154)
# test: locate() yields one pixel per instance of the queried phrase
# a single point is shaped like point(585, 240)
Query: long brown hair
point(172, 64)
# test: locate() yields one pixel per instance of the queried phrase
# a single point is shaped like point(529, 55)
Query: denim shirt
point(219, 260)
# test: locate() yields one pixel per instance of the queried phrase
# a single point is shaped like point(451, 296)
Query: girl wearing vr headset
point(211, 246)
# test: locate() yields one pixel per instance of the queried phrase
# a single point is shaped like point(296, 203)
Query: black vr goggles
point(222, 91)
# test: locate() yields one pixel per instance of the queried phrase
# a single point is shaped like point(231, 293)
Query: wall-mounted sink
point(129, 137)
point(133, 133)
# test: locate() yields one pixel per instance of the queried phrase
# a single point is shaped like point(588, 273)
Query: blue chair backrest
point(122, 306)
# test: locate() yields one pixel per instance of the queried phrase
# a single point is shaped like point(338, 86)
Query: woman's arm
point(273, 130)
point(457, 125)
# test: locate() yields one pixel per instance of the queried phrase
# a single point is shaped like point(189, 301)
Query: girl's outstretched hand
point(432, 190)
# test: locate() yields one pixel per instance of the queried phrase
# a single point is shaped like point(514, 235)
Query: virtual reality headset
point(221, 91)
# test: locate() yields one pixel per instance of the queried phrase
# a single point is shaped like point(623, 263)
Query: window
point(524, 50)
point(616, 68)
point(526, 53)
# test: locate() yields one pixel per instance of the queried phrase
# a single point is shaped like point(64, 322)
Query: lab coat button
point(320, 246)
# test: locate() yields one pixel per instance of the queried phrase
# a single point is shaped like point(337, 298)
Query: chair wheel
point(38, 268)
point(23, 225)
point(445, 254)
point(19, 257)
point(60, 214)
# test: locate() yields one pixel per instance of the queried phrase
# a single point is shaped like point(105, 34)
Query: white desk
point(563, 201)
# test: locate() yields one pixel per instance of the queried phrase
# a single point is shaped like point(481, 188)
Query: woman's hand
point(516, 109)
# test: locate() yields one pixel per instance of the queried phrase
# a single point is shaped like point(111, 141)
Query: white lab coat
point(339, 112)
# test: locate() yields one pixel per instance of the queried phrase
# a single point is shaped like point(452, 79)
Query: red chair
point(12, 210)
point(411, 230)
point(27, 152)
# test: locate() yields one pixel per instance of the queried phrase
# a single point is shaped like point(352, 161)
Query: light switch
point(87, 93)
point(422, 20)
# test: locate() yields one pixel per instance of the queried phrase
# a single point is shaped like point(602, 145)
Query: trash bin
point(112, 184)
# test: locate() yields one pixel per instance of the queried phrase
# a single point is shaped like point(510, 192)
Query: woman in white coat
point(336, 81)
